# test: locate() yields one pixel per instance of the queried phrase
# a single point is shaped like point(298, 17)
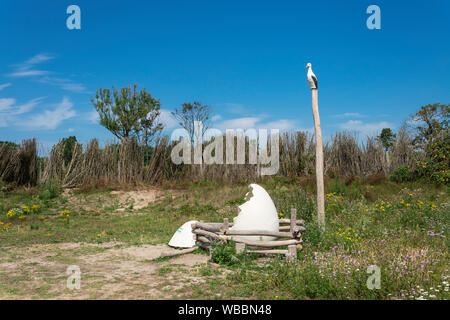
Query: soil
point(108, 271)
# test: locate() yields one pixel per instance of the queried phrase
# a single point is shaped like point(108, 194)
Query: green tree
point(429, 123)
point(387, 138)
point(128, 112)
point(69, 146)
point(189, 114)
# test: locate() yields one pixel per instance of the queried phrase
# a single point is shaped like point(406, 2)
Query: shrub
point(49, 191)
point(402, 174)
point(436, 167)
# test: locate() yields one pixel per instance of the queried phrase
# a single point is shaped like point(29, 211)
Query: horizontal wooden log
point(203, 239)
point(259, 233)
point(256, 243)
point(212, 227)
point(269, 251)
point(177, 252)
point(288, 221)
point(288, 228)
point(203, 245)
point(210, 234)
point(265, 244)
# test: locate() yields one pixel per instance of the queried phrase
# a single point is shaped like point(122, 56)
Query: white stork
point(312, 80)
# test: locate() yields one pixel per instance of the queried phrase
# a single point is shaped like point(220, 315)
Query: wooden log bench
point(289, 234)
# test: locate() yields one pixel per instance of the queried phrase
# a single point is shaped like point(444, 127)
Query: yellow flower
point(11, 214)
point(6, 226)
point(65, 214)
point(22, 217)
point(35, 207)
point(26, 209)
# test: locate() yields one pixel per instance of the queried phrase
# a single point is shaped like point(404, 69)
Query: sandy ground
point(108, 271)
point(138, 199)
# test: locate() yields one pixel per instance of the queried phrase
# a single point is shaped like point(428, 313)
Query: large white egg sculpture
point(258, 213)
point(183, 237)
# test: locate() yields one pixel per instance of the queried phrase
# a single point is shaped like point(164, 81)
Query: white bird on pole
point(312, 79)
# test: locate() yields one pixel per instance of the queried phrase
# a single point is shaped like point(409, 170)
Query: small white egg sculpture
point(258, 213)
point(183, 237)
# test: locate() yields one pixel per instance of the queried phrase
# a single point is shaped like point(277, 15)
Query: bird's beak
point(306, 67)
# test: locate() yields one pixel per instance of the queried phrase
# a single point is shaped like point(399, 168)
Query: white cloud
point(282, 124)
point(3, 86)
point(216, 117)
point(349, 115)
point(93, 117)
point(8, 106)
point(28, 73)
point(9, 111)
point(25, 69)
point(38, 59)
point(51, 119)
point(235, 108)
point(364, 127)
point(167, 120)
point(239, 123)
point(257, 123)
point(63, 83)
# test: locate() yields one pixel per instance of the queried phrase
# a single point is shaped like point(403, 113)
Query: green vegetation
point(403, 228)
point(387, 204)
point(128, 112)
point(387, 138)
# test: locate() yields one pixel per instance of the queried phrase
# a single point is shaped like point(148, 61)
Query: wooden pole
point(319, 161)
point(292, 249)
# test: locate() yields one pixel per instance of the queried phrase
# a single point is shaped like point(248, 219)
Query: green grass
point(401, 228)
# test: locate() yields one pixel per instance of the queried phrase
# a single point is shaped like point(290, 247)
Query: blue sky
point(244, 58)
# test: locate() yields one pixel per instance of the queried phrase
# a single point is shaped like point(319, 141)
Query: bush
point(49, 191)
point(402, 174)
point(225, 254)
point(436, 167)
point(285, 199)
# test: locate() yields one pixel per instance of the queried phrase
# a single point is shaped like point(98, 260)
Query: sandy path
point(108, 270)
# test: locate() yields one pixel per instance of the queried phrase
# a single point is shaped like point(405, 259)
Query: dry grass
point(123, 163)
